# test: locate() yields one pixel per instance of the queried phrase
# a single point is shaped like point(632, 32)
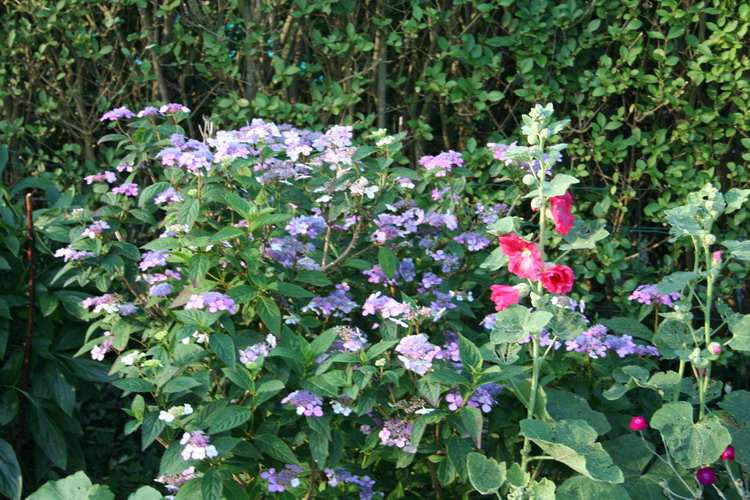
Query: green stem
point(677, 386)
point(704, 382)
point(525, 453)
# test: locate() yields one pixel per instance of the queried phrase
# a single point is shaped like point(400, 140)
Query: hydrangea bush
point(295, 314)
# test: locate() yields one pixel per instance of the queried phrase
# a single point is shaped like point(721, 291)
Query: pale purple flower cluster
point(366, 484)
point(474, 241)
point(310, 226)
point(391, 226)
point(376, 275)
point(106, 176)
point(416, 353)
point(435, 219)
point(109, 303)
point(116, 114)
point(338, 136)
point(429, 280)
point(649, 294)
point(483, 398)
point(126, 166)
point(442, 301)
point(149, 111)
point(253, 352)
point(282, 480)
point(489, 214)
point(214, 301)
point(161, 290)
point(442, 163)
point(172, 483)
point(338, 303)
point(187, 153)
point(499, 150)
point(386, 306)
point(397, 432)
point(290, 252)
point(95, 229)
point(197, 446)
point(351, 339)
point(98, 351)
point(127, 309)
point(449, 260)
point(69, 253)
point(153, 259)
point(169, 195)
point(154, 278)
point(596, 342)
point(174, 108)
point(438, 193)
point(307, 403)
point(128, 189)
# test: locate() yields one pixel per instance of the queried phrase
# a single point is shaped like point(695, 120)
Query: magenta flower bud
point(728, 453)
point(714, 347)
point(638, 424)
point(716, 256)
point(706, 476)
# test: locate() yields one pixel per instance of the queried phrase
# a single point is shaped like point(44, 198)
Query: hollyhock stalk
point(536, 359)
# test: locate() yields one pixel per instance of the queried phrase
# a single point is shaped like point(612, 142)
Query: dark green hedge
point(657, 91)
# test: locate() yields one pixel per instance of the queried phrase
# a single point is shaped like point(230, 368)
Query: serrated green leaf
point(485, 474)
point(388, 261)
point(269, 313)
point(228, 418)
point(274, 447)
point(223, 346)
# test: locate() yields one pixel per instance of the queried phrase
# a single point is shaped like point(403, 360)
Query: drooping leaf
point(690, 443)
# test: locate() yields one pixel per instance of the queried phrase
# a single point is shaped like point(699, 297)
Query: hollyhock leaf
point(578, 487)
point(521, 387)
point(537, 321)
point(739, 325)
point(675, 282)
point(735, 198)
point(542, 489)
point(691, 444)
point(564, 405)
point(584, 235)
point(504, 226)
point(495, 260)
point(737, 420)
point(77, 486)
point(486, 474)
point(145, 493)
point(510, 325)
point(673, 340)
point(572, 442)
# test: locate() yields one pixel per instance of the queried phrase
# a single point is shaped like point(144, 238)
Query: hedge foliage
point(657, 91)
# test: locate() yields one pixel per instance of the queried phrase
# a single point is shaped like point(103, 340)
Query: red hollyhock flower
point(560, 207)
point(524, 260)
point(728, 453)
point(504, 296)
point(638, 424)
point(557, 279)
point(706, 476)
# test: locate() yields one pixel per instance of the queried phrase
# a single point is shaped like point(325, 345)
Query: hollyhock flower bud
point(716, 256)
point(560, 207)
point(504, 296)
point(728, 453)
point(706, 476)
point(558, 279)
point(638, 424)
point(714, 347)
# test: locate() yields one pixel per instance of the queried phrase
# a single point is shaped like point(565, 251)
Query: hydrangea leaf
point(10, 472)
point(388, 261)
point(573, 442)
point(691, 444)
point(228, 418)
point(486, 474)
point(224, 348)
